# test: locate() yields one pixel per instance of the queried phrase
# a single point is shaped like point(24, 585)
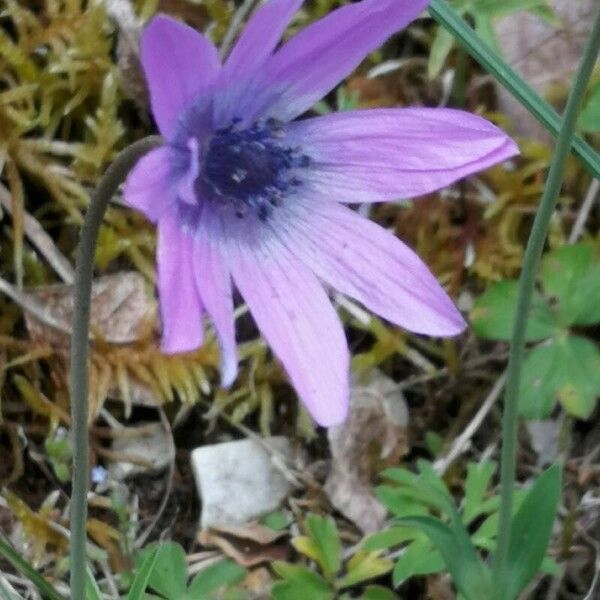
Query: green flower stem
point(84, 271)
point(531, 260)
point(448, 18)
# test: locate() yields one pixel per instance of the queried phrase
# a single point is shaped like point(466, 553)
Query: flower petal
point(314, 61)
point(260, 36)
point(179, 64)
point(152, 186)
point(296, 317)
point(386, 154)
point(368, 263)
point(180, 306)
point(214, 284)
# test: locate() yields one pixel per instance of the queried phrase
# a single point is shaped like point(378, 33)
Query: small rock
point(544, 437)
point(238, 481)
point(152, 446)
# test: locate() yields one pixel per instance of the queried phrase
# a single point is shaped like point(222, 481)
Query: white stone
point(238, 481)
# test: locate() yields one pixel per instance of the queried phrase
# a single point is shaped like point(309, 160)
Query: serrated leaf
point(470, 576)
point(494, 313)
point(425, 487)
point(418, 558)
point(567, 369)
point(476, 485)
point(531, 530)
point(327, 545)
point(572, 275)
point(224, 573)
point(169, 574)
point(402, 502)
point(362, 567)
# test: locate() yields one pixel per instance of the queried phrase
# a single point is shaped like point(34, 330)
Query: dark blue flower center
point(252, 168)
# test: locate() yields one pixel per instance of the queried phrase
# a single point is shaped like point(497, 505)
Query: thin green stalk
point(448, 18)
point(531, 260)
point(84, 271)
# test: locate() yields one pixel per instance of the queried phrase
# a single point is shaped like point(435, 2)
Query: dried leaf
point(248, 545)
point(122, 310)
point(373, 437)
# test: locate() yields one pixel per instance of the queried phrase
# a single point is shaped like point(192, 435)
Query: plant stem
point(448, 18)
point(84, 271)
point(531, 260)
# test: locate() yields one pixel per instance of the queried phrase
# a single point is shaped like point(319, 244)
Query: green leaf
point(327, 545)
point(388, 538)
point(277, 520)
point(567, 369)
point(440, 49)
point(221, 574)
point(362, 567)
point(169, 575)
point(418, 558)
point(377, 592)
point(425, 487)
point(300, 582)
point(494, 313)
point(286, 590)
point(589, 118)
point(531, 530)
point(572, 275)
point(476, 485)
point(470, 576)
point(402, 502)
point(13, 557)
point(142, 577)
point(92, 591)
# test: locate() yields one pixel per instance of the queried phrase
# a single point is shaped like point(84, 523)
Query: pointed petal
point(297, 319)
point(214, 285)
point(180, 64)
point(260, 36)
point(368, 263)
point(152, 185)
point(387, 154)
point(180, 306)
point(314, 61)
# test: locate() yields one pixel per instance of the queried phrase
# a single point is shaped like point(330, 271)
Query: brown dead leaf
point(122, 310)
point(248, 545)
point(373, 437)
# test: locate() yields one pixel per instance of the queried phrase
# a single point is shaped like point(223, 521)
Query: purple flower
point(244, 195)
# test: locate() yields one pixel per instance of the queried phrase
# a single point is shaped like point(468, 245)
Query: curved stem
point(84, 270)
point(531, 260)
point(448, 18)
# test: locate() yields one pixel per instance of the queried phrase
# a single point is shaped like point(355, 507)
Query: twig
point(41, 240)
point(461, 443)
point(585, 210)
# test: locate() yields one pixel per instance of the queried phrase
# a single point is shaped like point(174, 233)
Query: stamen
point(252, 169)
